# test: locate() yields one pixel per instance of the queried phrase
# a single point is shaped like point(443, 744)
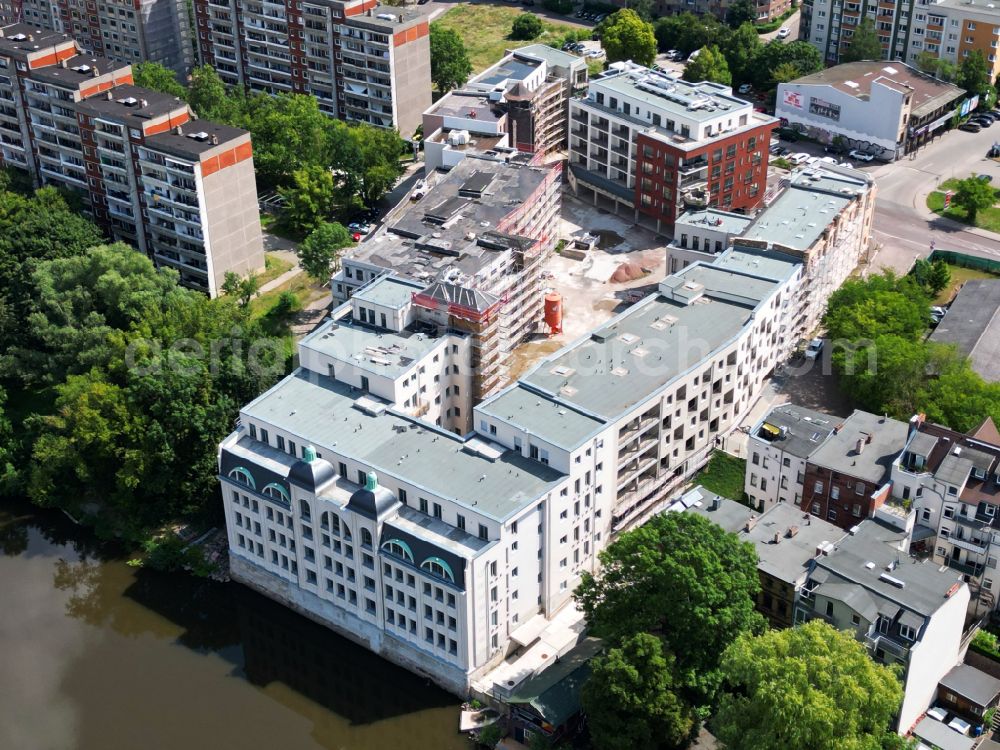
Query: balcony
point(970, 546)
point(970, 570)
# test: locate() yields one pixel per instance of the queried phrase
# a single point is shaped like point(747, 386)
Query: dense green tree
point(684, 579)
point(710, 65)
point(934, 276)
point(450, 66)
point(784, 72)
point(974, 74)
point(526, 26)
point(822, 684)
point(241, 288)
point(630, 698)
point(625, 36)
point(319, 252)
point(290, 133)
point(309, 199)
point(687, 32)
point(776, 55)
point(740, 49)
point(959, 397)
point(8, 450)
point(973, 195)
point(158, 377)
point(884, 374)
point(643, 8)
point(209, 98)
point(741, 12)
point(153, 75)
point(880, 312)
point(928, 62)
point(865, 44)
point(366, 160)
point(33, 229)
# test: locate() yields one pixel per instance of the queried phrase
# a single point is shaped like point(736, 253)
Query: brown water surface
point(96, 655)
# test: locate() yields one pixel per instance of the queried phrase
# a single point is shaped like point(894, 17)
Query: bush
point(985, 643)
point(526, 26)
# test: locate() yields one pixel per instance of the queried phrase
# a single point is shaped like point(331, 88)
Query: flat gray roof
point(713, 218)
point(972, 324)
point(925, 585)
point(642, 350)
point(839, 452)
point(941, 735)
point(972, 684)
point(804, 430)
point(373, 349)
point(551, 55)
point(388, 291)
point(537, 414)
point(727, 514)
point(798, 535)
point(800, 214)
point(453, 228)
point(321, 411)
point(673, 94)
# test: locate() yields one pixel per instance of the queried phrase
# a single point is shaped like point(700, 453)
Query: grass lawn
point(986, 219)
point(274, 266)
point(270, 223)
point(484, 30)
point(724, 476)
point(959, 276)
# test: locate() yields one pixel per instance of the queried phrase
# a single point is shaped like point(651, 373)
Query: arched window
point(304, 510)
point(366, 538)
point(439, 568)
point(347, 533)
point(324, 521)
point(277, 492)
point(243, 476)
point(398, 548)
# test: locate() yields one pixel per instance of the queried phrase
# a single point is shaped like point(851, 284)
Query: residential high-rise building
point(652, 145)
point(132, 32)
point(477, 244)
point(947, 29)
point(181, 190)
point(520, 103)
point(362, 62)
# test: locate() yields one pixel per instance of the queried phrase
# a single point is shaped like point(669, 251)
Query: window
point(835, 492)
point(438, 568)
point(437, 510)
point(398, 548)
point(460, 521)
point(366, 538)
point(484, 533)
point(243, 476)
point(423, 505)
point(907, 632)
point(818, 487)
point(277, 492)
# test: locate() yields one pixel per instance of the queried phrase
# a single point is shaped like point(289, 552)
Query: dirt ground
point(589, 297)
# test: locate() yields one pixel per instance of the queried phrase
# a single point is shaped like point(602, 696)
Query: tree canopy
point(974, 195)
point(526, 26)
point(877, 326)
point(153, 75)
point(973, 73)
point(810, 686)
point(682, 578)
point(318, 253)
point(865, 44)
point(740, 48)
point(710, 65)
point(309, 199)
point(625, 36)
point(450, 66)
point(776, 56)
point(631, 701)
point(741, 12)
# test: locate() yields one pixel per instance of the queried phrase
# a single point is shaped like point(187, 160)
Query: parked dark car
point(970, 127)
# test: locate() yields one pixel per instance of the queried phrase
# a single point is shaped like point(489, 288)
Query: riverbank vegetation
point(116, 383)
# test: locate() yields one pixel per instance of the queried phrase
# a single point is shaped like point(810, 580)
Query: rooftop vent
point(201, 135)
point(128, 101)
point(18, 38)
point(81, 68)
point(892, 581)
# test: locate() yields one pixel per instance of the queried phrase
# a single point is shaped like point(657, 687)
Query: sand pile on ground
point(627, 271)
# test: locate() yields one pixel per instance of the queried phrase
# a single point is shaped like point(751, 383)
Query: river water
point(96, 655)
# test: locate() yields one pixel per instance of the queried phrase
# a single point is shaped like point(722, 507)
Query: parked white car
point(800, 158)
point(783, 32)
point(814, 349)
point(860, 155)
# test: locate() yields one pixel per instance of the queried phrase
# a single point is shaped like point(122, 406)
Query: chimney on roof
point(215, 139)
point(751, 522)
point(31, 37)
point(143, 103)
point(859, 447)
point(178, 130)
point(109, 95)
point(777, 538)
point(64, 63)
point(792, 531)
point(95, 71)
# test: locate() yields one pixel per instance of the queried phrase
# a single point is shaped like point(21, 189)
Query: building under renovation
point(477, 242)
